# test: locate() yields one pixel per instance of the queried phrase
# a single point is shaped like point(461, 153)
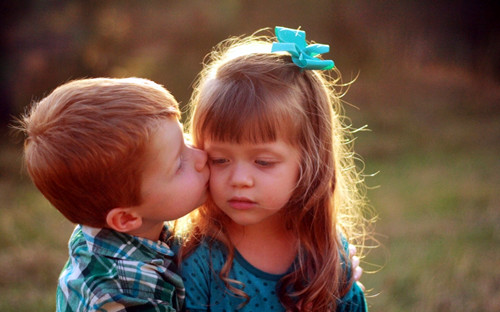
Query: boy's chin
point(203, 199)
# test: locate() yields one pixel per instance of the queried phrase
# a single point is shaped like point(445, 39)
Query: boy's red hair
point(85, 143)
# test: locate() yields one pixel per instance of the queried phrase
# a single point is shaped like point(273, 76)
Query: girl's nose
point(241, 176)
point(200, 159)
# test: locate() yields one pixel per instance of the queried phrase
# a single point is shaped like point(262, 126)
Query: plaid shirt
point(113, 271)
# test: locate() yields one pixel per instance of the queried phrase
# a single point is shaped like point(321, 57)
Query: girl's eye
point(264, 163)
point(218, 161)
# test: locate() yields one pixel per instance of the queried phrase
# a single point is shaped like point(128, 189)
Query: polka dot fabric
point(205, 291)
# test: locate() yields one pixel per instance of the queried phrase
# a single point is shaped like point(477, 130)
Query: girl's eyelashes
point(224, 161)
point(218, 161)
point(264, 163)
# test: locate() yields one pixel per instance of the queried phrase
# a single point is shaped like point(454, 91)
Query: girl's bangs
point(244, 113)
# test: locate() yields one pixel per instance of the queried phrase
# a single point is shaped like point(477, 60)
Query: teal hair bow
point(293, 41)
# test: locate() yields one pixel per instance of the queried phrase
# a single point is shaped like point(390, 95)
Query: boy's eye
point(181, 162)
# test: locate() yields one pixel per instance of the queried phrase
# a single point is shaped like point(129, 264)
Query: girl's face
point(252, 182)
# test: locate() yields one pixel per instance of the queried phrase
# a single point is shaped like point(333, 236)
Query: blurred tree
point(10, 12)
point(46, 42)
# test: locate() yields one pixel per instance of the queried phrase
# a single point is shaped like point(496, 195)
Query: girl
point(285, 194)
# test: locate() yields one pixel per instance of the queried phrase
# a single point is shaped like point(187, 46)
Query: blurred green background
point(428, 89)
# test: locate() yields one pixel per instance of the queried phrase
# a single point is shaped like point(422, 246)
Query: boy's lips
point(241, 203)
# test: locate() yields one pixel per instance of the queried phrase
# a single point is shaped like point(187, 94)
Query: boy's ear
point(123, 219)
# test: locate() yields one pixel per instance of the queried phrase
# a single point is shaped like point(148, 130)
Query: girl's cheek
point(213, 178)
point(216, 181)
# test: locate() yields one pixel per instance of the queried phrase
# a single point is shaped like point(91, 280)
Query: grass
point(33, 236)
point(438, 229)
point(439, 177)
point(437, 200)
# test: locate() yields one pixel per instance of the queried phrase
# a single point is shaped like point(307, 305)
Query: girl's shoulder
point(353, 301)
point(208, 250)
point(344, 254)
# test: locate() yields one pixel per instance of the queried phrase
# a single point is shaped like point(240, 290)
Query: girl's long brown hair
point(246, 94)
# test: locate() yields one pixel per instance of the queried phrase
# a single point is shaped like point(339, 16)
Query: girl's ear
point(123, 219)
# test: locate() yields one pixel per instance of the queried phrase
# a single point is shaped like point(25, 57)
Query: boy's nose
point(200, 159)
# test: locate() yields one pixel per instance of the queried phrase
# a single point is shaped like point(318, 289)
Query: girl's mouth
point(241, 203)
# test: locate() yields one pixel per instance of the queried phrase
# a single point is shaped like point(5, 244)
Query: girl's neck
point(268, 246)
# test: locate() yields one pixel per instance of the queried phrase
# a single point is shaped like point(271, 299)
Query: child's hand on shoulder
point(357, 271)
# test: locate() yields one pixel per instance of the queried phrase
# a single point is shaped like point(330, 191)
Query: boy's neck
point(149, 232)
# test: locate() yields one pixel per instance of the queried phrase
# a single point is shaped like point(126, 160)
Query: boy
point(109, 154)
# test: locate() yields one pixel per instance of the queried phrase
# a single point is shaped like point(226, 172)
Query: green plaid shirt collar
point(113, 244)
point(108, 270)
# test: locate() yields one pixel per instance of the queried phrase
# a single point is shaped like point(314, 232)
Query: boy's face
point(175, 177)
point(252, 182)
